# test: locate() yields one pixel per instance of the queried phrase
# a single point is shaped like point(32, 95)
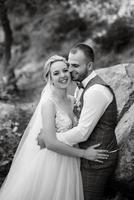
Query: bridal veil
point(28, 147)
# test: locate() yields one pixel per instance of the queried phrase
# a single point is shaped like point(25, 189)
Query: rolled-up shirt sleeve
point(95, 104)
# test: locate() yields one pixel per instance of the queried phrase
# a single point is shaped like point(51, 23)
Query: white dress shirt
point(95, 101)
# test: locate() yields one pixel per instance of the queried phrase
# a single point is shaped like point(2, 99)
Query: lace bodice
point(63, 121)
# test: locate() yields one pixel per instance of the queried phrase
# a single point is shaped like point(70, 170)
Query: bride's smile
point(60, 75)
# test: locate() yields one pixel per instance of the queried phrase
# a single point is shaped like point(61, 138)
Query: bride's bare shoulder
point(48, 104)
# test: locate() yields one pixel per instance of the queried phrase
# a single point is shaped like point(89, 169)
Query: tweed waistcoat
point(104, 131)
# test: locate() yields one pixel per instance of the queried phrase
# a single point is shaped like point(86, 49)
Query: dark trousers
point(94, 182)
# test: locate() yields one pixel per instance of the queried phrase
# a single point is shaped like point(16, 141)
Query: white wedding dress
point(49, 175)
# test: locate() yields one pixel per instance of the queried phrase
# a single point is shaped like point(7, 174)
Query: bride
point(42, 174)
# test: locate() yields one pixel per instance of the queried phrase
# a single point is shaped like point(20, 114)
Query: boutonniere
point(77, 106)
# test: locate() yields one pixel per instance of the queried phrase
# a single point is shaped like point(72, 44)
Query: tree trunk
point(5, 71)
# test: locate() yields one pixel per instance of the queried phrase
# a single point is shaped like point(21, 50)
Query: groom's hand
point(94, 154)
point(40, 140)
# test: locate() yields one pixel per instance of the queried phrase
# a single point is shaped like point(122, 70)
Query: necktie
point(80, 85)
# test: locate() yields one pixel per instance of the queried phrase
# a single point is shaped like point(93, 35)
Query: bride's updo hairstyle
point(48, 64)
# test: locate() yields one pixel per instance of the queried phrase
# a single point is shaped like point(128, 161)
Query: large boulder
point(121, 79)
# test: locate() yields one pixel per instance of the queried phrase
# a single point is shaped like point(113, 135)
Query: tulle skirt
point(49, 176)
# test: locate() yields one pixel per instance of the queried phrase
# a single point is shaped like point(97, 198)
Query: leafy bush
point(118, 36)
point(69, 22)
point(11, 131)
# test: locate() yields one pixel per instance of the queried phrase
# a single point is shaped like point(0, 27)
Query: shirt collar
point(88, 78)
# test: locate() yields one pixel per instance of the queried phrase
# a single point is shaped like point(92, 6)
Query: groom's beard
point(75, 76)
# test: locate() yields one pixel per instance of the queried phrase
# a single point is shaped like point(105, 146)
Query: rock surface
point(121, 79)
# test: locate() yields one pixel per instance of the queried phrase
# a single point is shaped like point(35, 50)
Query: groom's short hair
point(86, 49)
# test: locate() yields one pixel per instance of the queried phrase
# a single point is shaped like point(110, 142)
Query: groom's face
point(78, 65)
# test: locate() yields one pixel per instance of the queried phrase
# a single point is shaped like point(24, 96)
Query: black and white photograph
point(66, 100)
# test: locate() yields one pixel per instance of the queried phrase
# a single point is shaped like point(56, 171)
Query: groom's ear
point(90, 65)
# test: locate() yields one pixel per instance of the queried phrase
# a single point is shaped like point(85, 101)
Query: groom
point(97, 111)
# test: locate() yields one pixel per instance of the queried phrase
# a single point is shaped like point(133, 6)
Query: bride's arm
point(49, 133)
point(51, 142)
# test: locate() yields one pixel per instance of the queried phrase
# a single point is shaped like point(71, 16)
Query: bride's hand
point(94, 154)
point(40, 140)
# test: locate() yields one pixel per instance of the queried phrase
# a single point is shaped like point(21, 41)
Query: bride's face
point(60, 75)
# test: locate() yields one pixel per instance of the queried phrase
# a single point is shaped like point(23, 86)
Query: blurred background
point(33, 30)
